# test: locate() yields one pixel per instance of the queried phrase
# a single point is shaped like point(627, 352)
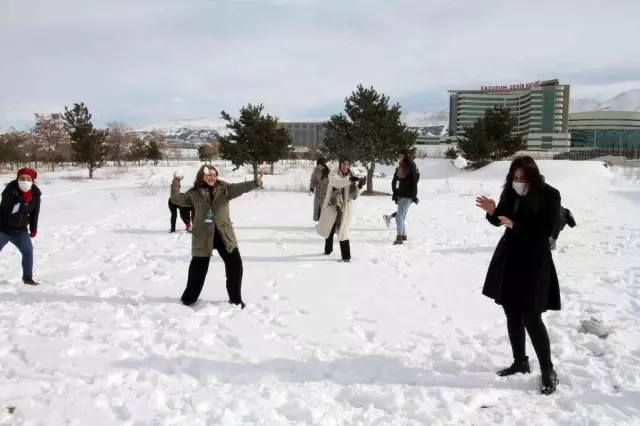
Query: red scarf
point(26, 196)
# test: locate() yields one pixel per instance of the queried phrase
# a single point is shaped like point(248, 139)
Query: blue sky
point(144, 61)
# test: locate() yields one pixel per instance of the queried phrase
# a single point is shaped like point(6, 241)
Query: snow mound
point(430, 168)
point(460, 162)
point(553, 171)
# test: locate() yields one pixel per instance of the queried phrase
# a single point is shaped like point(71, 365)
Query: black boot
point(518, 366)
point(345, 250)
point(549, 381)
point(28, 280)
point(404, 237)
point(398, 240)
point(328, 245)
point(241, 304)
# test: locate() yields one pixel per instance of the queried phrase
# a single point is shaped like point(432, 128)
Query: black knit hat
point(345, 159)
point(321, 162)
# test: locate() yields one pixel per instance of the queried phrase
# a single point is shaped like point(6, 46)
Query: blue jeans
point(22, 241)
point(403, 208)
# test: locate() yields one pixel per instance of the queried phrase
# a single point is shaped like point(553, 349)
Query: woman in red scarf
point(19, 209)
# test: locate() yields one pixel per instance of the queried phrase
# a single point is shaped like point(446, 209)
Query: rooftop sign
point(510, 87)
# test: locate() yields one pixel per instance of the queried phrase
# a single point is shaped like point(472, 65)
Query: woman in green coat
point(212, 229)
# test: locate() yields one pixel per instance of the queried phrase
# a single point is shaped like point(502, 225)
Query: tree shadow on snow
point(315, 257)
point(357, 369)
point(465, 250)
point(42, 297)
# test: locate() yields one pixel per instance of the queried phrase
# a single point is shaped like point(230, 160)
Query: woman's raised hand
point(486, 204)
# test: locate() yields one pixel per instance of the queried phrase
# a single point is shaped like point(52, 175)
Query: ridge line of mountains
point(433, 123)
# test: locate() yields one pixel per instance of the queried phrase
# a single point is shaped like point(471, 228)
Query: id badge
point(208, 217)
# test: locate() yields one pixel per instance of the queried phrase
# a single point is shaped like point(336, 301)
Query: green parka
point(198, 198)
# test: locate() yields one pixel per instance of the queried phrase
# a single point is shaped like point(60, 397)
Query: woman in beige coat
point(337, 211)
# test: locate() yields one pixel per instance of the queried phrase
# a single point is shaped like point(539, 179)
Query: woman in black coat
point(19, 213)
point(522, 276)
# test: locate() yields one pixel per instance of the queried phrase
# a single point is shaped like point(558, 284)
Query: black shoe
point(328, 247)
point(171, 231)
point(549, 381)
point(398, 241)
point(345, 250)
point(518, 366)
point(404, 238)
point(28, 280)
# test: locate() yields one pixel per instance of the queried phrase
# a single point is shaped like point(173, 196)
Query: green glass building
point(605, 129)
point(541, 107)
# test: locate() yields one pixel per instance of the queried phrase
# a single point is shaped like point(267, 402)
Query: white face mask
point(25, 185)
point(520, 187)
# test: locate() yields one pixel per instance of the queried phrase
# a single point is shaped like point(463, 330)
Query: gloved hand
point(311, 190)
point(354, 178)
point(178, 175)
point(33, 234)
point(415, 200)
point(362, 182)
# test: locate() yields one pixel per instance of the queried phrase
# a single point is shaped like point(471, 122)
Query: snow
point(400, 336)
point(625, 101)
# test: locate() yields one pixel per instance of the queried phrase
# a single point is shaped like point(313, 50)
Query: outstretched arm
point(177, 197)
point(234, 190)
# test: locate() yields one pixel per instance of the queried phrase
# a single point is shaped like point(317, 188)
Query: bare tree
point(119, 141)
point(176, 153)
point(12, 147)
point(50, 138)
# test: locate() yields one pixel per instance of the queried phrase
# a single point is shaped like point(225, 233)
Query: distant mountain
point(625, 101)
point(433, 123)
point(189, 130)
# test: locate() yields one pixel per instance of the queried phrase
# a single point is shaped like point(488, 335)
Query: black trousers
point(200, 266)
point(185, 214)
point(345, 246)
point(517, 322)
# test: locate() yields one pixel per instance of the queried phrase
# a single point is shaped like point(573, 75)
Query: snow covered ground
point(401, 336)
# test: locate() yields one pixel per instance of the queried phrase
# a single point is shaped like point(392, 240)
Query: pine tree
point(371, 132)
point(138, 151)
point(154, 153)
point(254, 139)
point(491, 137)
point(87, 143)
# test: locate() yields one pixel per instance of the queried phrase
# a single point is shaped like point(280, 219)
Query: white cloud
point(134, 60)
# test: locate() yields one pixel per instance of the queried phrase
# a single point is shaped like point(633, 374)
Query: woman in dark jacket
point(406, 193)
point(19, 209)
point(186, 215)
point(522, 276)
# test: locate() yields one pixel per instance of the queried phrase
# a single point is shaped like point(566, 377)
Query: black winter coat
point(27, 214)
point(407, 187)
point(522, 272)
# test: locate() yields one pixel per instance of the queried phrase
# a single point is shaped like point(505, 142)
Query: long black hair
point(530, 171)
